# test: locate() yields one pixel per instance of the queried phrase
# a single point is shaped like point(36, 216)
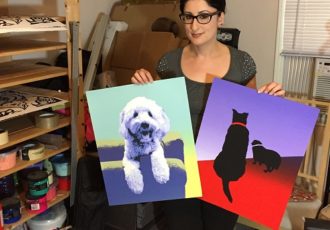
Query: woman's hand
point(272, 88)
point(141, 76)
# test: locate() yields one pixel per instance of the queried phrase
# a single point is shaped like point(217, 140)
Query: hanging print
point(250, 147)
point(145, 142)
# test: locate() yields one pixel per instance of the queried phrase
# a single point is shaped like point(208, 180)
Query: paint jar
point(32, 150)
point(64, 183)
point(51, 194)
point(1, 217)
point(62, 166)
point(7, 186)
point(36, 204)
point(49, 169)
point(37, 183)
point(54, 218)
point(7, 158)
point(11, 208)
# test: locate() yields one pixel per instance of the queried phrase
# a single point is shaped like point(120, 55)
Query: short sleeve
point(169, 65)
point(162, 67)
point(249, 68)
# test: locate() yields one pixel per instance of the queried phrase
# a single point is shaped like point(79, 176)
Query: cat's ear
point(234, 111)
point(246, 114)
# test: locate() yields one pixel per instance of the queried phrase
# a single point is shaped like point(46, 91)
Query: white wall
point(89, 11)
point(257, 21)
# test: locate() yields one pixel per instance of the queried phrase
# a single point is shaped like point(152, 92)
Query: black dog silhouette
point(230, 162)
point(261, 155)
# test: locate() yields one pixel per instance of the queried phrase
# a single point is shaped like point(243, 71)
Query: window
point(307, 28)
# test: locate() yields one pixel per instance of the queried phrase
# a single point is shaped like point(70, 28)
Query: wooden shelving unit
point(15, 73)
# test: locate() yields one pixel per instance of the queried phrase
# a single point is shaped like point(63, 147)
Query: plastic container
point(7, 186)
point(52, 219)
point(11, 209)
point(62, 166)
point(36, 204)
point(7, 158)
point(1, 218)
point(52, 191)
point(37, 183)
point(64, 183)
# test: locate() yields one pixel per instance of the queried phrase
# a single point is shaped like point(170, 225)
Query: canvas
point(250, 147)
point(145, 142)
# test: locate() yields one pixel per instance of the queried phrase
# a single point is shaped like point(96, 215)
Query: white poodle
point(143, 124)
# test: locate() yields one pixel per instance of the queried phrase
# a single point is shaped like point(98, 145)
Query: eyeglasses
point(202, 18)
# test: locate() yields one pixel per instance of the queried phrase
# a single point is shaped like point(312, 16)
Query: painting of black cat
point(270, 158)
point(230, 163)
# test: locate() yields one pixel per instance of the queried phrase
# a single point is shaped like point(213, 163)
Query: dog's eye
point(135, 114)
point(150, 114)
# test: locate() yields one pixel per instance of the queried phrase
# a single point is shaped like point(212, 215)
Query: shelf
point(14, 46)
point(42, 92)
point(60, 196)
point(20, 72)
point(29, 131)
point(20, 164)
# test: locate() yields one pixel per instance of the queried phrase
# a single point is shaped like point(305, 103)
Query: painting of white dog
point(143, 124)
point(145, 142)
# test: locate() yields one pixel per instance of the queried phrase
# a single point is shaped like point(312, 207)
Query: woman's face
point(197, 33)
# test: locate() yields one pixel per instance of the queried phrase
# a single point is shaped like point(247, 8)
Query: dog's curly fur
point(143, 124)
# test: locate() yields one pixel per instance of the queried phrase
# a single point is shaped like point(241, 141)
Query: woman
point(200, 61)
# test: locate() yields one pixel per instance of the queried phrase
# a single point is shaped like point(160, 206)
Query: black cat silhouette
point(269, 157)
point(230, 162)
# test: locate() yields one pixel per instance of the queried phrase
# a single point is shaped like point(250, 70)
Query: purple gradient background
point(280, 124)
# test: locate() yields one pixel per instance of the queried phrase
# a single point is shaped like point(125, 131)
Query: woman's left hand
point(272, 88)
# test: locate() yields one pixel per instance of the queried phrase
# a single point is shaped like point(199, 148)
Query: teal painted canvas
point(145, 142)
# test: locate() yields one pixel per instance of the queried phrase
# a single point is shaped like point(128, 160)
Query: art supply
point(64, 183)
point(37, 183)
point(4, 139)
point(47, 120)
point(32, 150)
point(7, 158)
point(1, 217)
point(49, 169)
point(52, 191)
point(62, 166)
point(36, 204)
point(11, 208)
point(54, 218)
point(7, 186)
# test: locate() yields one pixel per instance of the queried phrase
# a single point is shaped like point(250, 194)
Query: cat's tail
point(225, 186)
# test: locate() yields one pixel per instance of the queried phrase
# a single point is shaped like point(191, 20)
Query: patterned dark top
point(241, 70)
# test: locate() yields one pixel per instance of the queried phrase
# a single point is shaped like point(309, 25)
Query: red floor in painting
point(259, 196)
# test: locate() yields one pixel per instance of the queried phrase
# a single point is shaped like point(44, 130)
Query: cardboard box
point(133, 50)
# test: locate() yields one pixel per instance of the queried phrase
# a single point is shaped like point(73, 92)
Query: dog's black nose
point(144, 125)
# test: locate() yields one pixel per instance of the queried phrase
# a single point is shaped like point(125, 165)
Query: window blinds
point(307, 28)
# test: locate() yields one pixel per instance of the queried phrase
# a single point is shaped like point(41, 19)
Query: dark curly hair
point(220, 5)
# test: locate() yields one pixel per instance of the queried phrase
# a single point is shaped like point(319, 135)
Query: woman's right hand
point(141, 76)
